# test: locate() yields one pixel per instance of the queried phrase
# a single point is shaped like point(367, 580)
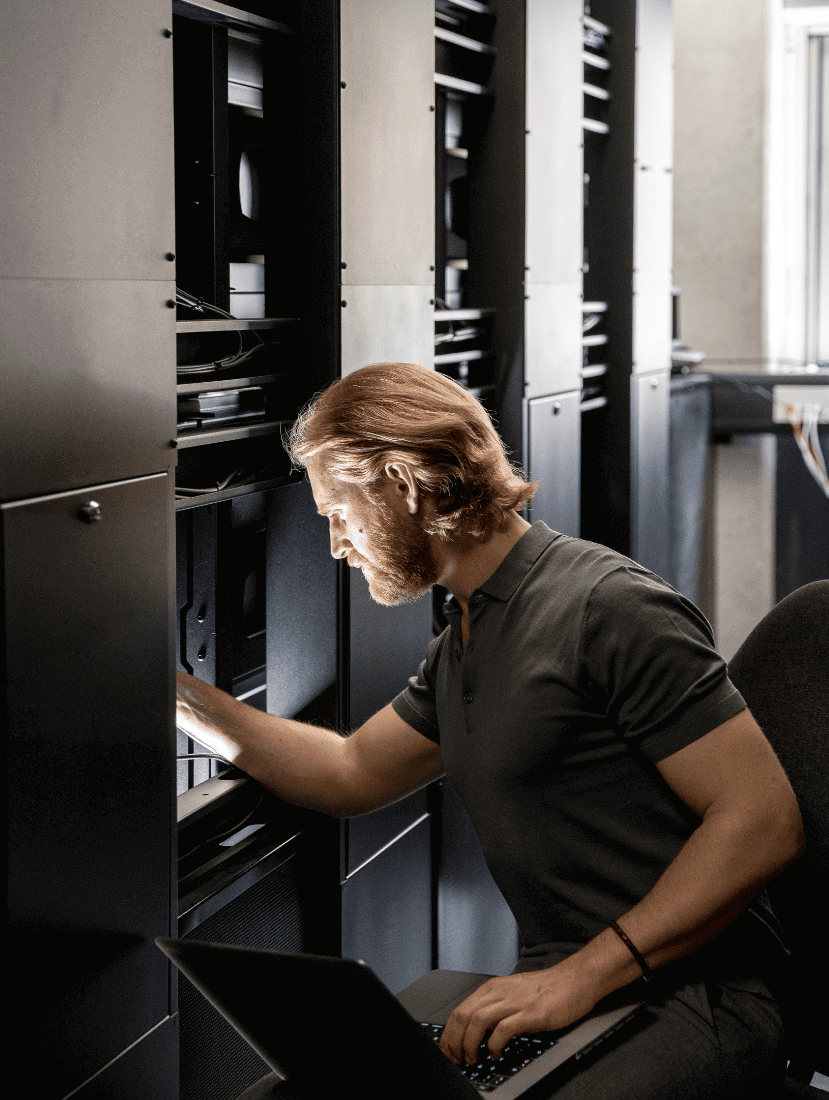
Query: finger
point(473, 1037)
point(451, 1041)
point(501, 1035)
point(462, 1037)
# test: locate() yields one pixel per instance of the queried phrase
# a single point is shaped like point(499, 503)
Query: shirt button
point(467, 696)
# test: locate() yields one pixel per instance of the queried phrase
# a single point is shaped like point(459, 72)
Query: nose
point(340, 544)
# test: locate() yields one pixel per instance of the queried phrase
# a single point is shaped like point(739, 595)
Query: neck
point(467, 563)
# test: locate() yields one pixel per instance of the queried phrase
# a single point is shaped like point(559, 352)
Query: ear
point(405, 489)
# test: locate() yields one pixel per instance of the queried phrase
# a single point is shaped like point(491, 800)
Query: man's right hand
point(381, 762)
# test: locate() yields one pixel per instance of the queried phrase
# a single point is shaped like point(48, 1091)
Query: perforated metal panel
point(216, 1062)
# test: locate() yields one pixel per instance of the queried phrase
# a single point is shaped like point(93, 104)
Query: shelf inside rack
point(471, 5)
point(596, 370)
point(209, 10)
point(462, 40)
point(596, 93)
point(183, 503)
point(593, 403)
point(463, 314)
point(460, 356)
point(458, 85)
point(207, 436)
point(221, 324)
point(186, 389)
point(594, 60)
point(595, 25)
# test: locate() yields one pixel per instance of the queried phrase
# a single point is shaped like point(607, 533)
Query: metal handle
point(91, 512)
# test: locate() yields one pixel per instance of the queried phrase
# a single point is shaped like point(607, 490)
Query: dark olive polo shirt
point(582, 671)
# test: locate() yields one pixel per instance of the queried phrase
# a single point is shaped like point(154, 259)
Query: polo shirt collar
point(519, 561)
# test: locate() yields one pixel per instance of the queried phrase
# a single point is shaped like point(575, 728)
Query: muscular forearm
point(722, 867)
point(724, 864)
point(300, 763)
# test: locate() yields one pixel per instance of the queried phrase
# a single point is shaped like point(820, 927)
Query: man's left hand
point(520, 1004)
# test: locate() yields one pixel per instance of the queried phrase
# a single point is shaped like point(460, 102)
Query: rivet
point(168, 33)
point(170, 256)
point(343, 303)
point(170, 303)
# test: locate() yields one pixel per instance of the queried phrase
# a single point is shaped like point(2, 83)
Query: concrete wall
point(720, 128)
point(719, 174)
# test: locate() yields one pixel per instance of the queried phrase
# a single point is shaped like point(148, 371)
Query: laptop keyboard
point(487, 1075)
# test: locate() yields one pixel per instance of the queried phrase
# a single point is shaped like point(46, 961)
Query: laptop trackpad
point(433, 998)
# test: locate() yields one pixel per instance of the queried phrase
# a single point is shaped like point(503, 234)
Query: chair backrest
point(782, 672)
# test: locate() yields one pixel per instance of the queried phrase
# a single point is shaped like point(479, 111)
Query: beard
point(403, 566)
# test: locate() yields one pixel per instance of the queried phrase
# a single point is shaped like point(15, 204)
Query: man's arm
point(750, 831)
point(379, 763)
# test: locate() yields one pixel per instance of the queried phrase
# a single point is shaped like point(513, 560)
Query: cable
point(191, 301)
point(807, 439)
point(805, 431)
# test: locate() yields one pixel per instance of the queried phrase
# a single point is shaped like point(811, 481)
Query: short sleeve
point(648, 654)
point(416, 703)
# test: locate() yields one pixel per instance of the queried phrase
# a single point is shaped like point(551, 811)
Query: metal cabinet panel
point(554, 431)
point(369, 833)
point(301, 615)
point(690, 483)
point(553, 339)
point(146, 1071)
point(89, 383)
point(650, 464)
point(87, 134)
point(654, 115)
point(90, 702)
point(386, 647)
point(554, 193)
point(476, 930)
point(387, 910)
point(652, 279)
point(387, 64)
point(387, 324)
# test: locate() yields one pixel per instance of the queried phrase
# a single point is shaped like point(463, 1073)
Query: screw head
point(168, 33)
point(343, 265)
point(169, 256)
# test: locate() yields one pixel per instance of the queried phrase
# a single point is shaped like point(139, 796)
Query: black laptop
point(332, 1029)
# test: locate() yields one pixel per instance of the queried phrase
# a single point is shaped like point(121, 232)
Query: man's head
point(405, 459)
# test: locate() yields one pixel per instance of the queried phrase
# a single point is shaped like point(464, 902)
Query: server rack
point(374, 266)
point(86, 500)
point(628, 243)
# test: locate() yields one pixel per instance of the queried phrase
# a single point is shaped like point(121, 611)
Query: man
point(629, 807)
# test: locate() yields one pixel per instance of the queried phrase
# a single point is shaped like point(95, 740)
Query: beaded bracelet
point(647, 973)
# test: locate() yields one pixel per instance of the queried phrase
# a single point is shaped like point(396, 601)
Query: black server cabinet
point(86, 590)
